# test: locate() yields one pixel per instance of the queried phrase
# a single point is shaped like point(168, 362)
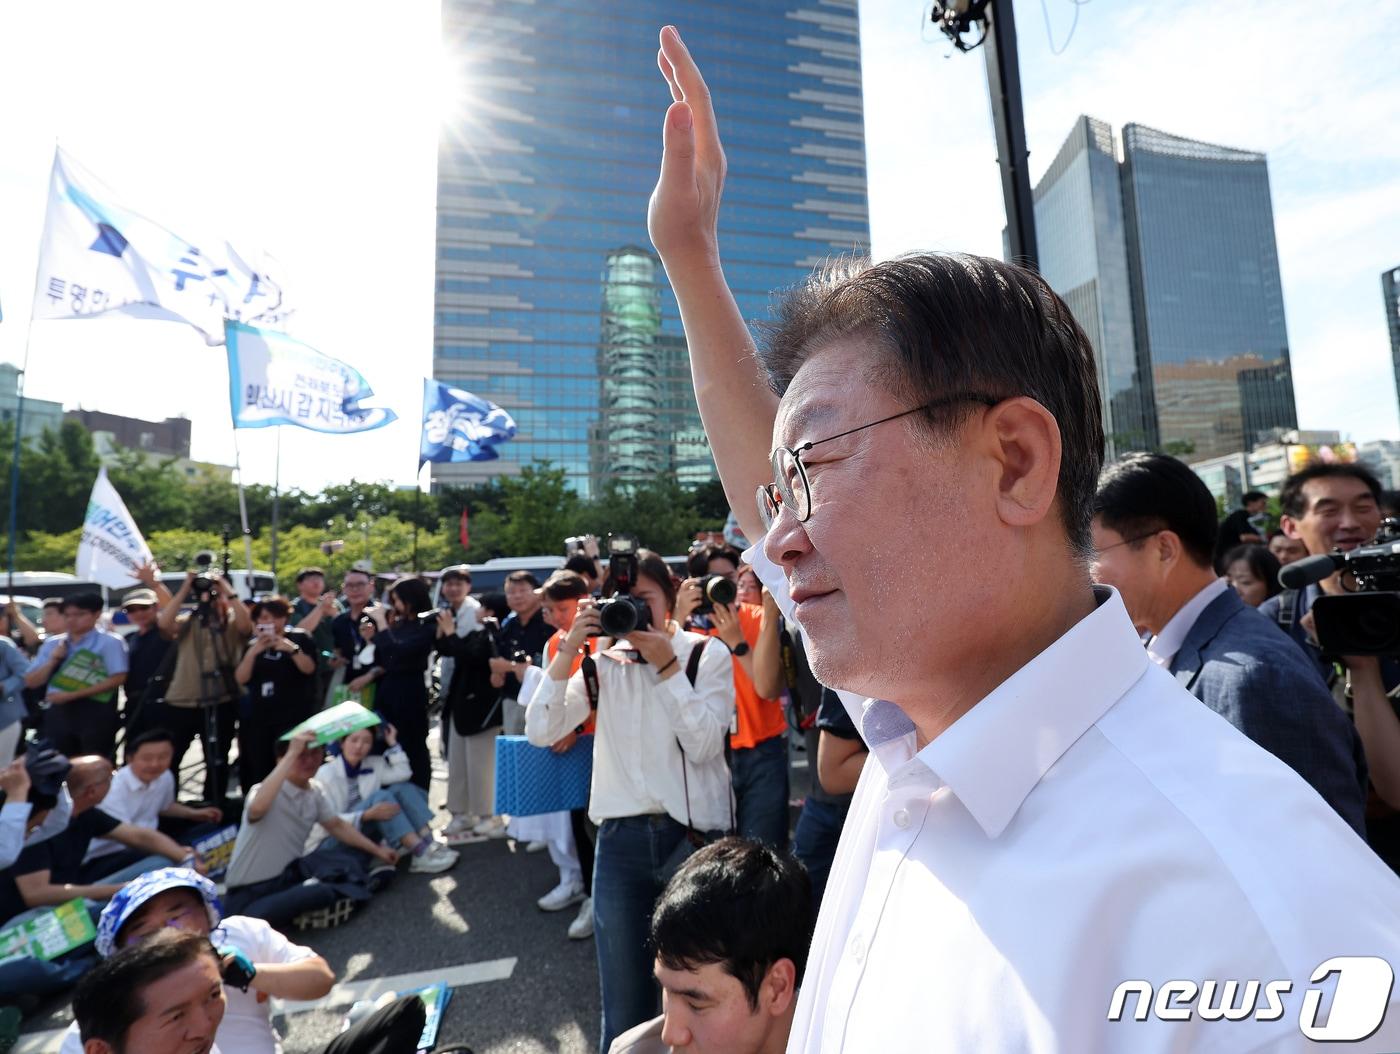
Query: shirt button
point(901, 818)
point(858, 948)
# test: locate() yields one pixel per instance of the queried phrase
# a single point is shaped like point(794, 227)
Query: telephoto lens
point(715, 589)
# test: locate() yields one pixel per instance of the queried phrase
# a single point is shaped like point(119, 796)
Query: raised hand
point(684, 211)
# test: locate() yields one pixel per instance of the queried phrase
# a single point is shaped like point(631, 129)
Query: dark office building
point(549, 300)
point(1390, 289)
point(1084, 257)
point(168, 438)
point(1207, 299)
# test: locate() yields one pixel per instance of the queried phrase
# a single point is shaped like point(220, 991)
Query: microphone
point(1311, 569)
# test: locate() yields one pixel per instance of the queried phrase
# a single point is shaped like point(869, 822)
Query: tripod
point(216, 689)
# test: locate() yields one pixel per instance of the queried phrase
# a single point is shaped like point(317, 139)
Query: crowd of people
point(1049, 709)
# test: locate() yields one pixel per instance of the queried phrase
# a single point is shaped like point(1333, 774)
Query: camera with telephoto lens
point(202, 588)
point(715, 589)
point(1366, 619)
point(622, 613)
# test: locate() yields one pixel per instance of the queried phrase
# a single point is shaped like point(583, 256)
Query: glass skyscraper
point(1084, 257)
point(1207, 299)
point(1167, 260)
point(1390, 289)
point(549, 300)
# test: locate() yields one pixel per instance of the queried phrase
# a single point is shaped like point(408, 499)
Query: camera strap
point(692, 670)
point(589, 669)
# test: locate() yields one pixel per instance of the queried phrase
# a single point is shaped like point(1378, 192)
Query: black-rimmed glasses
point(791, 486)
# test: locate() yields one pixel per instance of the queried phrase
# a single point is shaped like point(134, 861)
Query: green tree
point(158, 498)
point(660, 512)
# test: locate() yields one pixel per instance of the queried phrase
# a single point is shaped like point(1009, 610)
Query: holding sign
point(111, 547)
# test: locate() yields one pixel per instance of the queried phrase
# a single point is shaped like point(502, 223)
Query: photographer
point(209, 642)
point(314, 612)
point(82, 669)
point(403, 643)
point(758, 759)
point(663, 703)
point(522, 639)
point(354, 656)
point(278, 672)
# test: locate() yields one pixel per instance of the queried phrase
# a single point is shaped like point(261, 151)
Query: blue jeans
point(634, 858)
point(413, 815)
point(814, 842)
point(760, 780)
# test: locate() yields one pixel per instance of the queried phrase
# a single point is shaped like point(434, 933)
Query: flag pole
point(243, 513)
point(15, 456)
point(276, 498)
point(417, 511)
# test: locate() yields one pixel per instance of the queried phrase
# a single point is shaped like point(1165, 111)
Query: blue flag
point(459, 426)
point(275, 380)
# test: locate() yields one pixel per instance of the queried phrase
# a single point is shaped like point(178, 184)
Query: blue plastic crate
point(533, 780)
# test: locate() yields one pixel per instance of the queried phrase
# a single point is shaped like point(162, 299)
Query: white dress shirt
point(637, 764)
point(131, 801)
point(1162, 648)
point(1087, 823)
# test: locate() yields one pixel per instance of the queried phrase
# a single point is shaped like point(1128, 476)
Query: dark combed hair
point(1293, 502)
point(107, 1001)
point(414, 594)
point(277, 607)
point(956, 323)
point(83, 602)
point(1262, 564)
point(151, 735)
point(580, 564)
point(564, 585)
point(1142, 493)
point(527, 577)
point(739, 903)
point(698, 562)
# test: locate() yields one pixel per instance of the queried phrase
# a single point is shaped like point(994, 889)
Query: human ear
point(1023, 438)
point(779, 989)
point(1289, 526)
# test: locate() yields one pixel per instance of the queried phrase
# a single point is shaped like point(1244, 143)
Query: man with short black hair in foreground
point(731, 932)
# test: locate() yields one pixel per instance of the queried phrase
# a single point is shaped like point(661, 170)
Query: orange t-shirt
point(759, 719)
point(551, 649)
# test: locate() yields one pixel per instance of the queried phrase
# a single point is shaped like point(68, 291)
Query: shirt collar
point(1162, 648)
point(993, 756)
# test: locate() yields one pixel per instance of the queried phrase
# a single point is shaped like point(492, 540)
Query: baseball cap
point(140, 598)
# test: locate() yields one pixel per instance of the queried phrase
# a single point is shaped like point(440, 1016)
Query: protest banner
point(49, 934)
point(216, 850)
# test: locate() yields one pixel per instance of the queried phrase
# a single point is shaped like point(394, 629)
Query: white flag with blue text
point(460, 426)
point(111, 547)
point(275, 380)
point(98, 256)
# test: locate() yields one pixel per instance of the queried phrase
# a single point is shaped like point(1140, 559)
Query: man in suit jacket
point(1154, 529)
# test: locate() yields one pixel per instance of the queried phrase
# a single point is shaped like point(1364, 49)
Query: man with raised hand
point(1045, 815)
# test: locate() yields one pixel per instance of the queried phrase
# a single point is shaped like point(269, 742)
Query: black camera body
point(1367, 620)
point(622, 613)
point(715, 589)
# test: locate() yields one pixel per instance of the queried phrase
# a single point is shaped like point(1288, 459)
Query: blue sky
point(309, 129)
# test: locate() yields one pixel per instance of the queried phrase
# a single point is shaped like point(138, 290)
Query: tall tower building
point(1390, 289)
point(549, 300)
point(1084, 257)
point(1207, 299)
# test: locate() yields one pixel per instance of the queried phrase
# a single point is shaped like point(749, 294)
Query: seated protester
point(278, 673)
point(82, 668)
point(1153, 527)
point(267, 875)
point(840, 755)
point(142, 794)
point(47, 873)
point(471, 714)
point(664, 703)
point(165, 995)
point(37, 805)
point(375, 794)
point(180, 899)
point(1252, 572)
point(731, 933)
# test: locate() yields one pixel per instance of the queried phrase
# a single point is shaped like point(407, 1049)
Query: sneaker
point(435, 859)
point(536, 846)
point(460, 822)
point(491, 827)
point(582, 926)
point(564, 895)
point(380, 876)
point(325, 918)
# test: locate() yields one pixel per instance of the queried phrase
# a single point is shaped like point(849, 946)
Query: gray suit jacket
point(1249, 672)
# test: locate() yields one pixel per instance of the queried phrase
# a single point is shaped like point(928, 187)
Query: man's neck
point(1180, 589)
point(940, 698)
point(527, 616)
point(356, 610)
